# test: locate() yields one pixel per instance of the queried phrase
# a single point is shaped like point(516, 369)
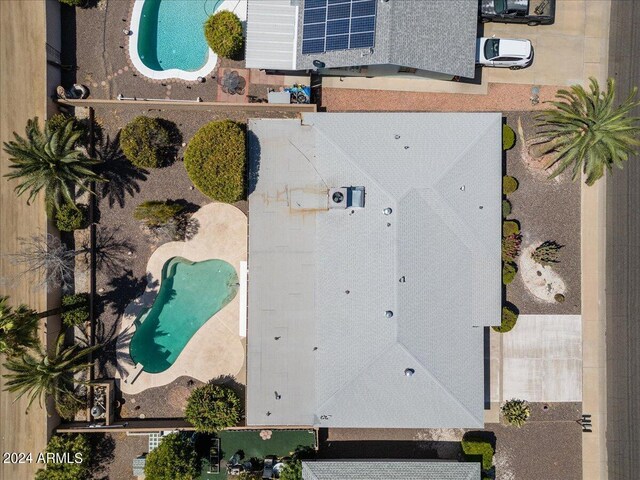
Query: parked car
point(531, 12)
point(504, 53)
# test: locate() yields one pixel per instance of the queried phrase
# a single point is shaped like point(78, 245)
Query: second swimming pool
point(190, 294)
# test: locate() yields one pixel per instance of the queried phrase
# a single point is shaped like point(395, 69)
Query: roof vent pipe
point(387, 211)
point(408, 372)
point(388, 314)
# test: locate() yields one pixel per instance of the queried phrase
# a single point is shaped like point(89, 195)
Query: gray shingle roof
point(333, 357)
point(389, 470)
point(434, 35)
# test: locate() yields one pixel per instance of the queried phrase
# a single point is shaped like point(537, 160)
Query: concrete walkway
point(217, 348)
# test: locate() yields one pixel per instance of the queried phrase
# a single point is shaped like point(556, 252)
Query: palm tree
point(42, 373)
point(18, 328)
point(588, 130)
point(49, 161)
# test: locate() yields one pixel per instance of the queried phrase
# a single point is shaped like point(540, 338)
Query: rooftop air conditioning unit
point(338, 197)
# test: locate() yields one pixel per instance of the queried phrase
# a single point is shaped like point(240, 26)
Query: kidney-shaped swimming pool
point(190, 294)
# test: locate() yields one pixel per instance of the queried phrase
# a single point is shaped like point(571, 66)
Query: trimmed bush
point(506, 208)
point(223, 32)
point(211, 408)
point(510, 227)
point(515, 412)
point(508, 137)
point(173, 459)
point(509, 318)
point(146, 142)
point(478, 447)
point(509, 271)
point(72, 217)
point(75, 309)
point(215, 161)
point(156, 213)
point(509, 185)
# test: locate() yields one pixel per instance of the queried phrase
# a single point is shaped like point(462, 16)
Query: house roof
point(321, 348)
point(433, 35)
point(389, 470)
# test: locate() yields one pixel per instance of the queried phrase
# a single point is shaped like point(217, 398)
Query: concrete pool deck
point(217, 349)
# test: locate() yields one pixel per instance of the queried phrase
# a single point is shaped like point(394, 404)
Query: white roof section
point(389, 470)
point(271, 34)
point(321, 350)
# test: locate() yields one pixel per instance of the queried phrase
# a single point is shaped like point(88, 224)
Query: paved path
point(623, 266)
point(22, 95)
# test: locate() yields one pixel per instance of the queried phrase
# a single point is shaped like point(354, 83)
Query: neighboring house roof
point(271, 34)
point(432, 35)
point(321, 349)
point(389, 470)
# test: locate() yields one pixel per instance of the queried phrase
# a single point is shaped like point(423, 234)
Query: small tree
point(223, 32)
point(156, 213)
point(18, 328)
point(174, 459)
point(146, 142)
point(292, 471)
point(78, 468)
point(515, 412)
point(48, 258)
point(211, 408)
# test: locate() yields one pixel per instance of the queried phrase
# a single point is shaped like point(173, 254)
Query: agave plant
point(516, 412)
point(18, 328)
point(547, 252)
point(42, 373)
point(587, 131)
point(48, 160)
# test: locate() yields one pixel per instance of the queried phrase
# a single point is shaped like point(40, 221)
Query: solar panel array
point(338, 25)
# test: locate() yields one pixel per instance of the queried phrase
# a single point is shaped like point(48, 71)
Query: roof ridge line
point(356, 375)
point(435, 379)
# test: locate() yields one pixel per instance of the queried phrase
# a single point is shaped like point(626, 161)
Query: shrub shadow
point(253, 162)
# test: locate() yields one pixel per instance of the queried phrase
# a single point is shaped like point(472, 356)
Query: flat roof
point(322, 349)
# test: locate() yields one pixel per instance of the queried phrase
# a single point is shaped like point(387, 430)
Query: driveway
point(571, 50)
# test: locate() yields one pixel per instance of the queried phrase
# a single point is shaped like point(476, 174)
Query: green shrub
point(509, 185)
point(292, 471)
point(72, 217)
point(215, 161)
point(515, 412)
point(509, 270)
point(74, 3)
point(510, 227)
point(58, 121)
point(75, 309)
point(559, 297)
point(509, 318)
point(223, 32)
point(475, 447)
point(508, 137)
point(146, 142)
point(211, 408)
point(156, 213)
point(174, 459)
point(547, 253)
point(77, 447)
point(506, 208)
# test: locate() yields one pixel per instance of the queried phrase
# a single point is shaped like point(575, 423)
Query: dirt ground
point(547, 209)
point(125, 280)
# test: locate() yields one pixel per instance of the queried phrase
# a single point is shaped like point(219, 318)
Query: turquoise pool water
point(171, 34)
point(190, 293)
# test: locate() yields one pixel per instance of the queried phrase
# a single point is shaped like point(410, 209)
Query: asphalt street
point(623, 265)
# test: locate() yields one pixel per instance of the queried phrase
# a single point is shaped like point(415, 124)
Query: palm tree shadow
point(123, 290)
point(123, 178)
